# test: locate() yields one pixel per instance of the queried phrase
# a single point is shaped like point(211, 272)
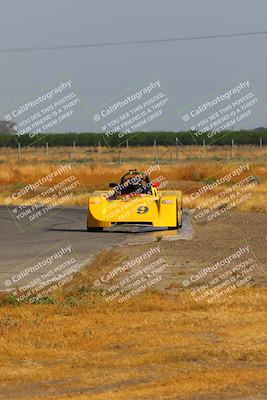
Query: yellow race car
point(135, 200)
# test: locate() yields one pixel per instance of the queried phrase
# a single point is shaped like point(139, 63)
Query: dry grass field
point(160, 344)
point(156, 345)
point(171, 349)
point(96, 167)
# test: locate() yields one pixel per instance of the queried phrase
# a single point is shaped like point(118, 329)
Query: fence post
point(155, 149)
point(232, 150)
point(176, 148)
point(260, 143)
point(204, 149)
point(47, 151)
point(18, 151)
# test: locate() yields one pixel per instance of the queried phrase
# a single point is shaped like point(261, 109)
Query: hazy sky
point(189, 69)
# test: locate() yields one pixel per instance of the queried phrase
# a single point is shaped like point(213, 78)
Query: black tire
point(95, 229)
point(181, 211)
point(181, 224)
point(177, 225)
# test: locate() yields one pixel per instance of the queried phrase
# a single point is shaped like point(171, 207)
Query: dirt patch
point(186, 257)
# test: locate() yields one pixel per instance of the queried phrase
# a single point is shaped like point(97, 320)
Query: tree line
point(163, 138)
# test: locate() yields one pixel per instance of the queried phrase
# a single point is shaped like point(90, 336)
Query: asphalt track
point(68, 225)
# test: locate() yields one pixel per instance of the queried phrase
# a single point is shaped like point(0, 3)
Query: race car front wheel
point(180, 218)
point(95, 229)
